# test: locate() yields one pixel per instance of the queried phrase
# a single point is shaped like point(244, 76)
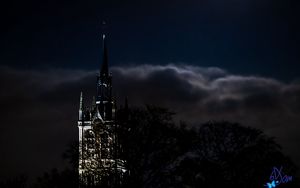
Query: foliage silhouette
point(159, 153)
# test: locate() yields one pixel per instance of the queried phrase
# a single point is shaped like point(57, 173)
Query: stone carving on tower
point(99, 148)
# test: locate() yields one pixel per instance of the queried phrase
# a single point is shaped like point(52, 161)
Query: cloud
point(200, 94)
point(39, 107)
point(207, 93)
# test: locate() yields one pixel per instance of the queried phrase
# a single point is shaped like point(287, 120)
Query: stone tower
point(99, 148)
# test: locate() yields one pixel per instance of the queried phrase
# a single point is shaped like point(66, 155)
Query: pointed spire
point(80, 115)
point(81, 101)
point(104, 67)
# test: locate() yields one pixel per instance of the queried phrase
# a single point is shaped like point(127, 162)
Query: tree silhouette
point(159, 153)
point(230, 155)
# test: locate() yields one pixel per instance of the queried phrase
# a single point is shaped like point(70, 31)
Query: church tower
point(99, 149)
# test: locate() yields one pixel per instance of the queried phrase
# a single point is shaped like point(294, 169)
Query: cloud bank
point(39, 107)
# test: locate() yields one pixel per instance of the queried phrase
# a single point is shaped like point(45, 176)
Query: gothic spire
point(80, 115)
point(104, 67)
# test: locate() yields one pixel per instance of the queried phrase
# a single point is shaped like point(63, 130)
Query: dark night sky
point(250, 36)
point(51, 49)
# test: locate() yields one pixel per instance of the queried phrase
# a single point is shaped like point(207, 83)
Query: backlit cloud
point(39, 107)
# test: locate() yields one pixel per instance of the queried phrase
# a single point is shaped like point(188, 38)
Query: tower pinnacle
point(80, 107)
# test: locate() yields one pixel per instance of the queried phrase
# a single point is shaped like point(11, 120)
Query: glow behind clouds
point(41, 108)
